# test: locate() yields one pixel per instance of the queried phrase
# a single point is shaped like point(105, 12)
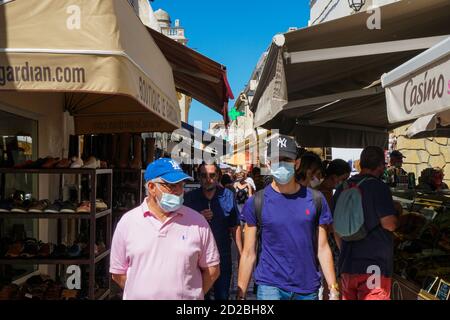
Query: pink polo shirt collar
point(147, 213)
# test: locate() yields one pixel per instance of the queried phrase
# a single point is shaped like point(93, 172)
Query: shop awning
point(196, 75)
point(322, 83)
point(419, 89)
point(95, 56)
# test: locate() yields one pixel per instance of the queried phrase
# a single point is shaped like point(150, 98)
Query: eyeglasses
point(172, 187)
point(205, 175)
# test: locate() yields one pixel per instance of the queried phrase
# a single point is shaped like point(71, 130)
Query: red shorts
point(355, 287)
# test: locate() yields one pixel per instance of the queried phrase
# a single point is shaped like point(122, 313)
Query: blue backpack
point(348, 219)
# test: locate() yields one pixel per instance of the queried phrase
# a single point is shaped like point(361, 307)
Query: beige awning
point(322, 83)
point(420, 87)
point(196, 75)
point(95, 55)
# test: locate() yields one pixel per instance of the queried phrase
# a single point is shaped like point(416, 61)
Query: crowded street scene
point(224, 151)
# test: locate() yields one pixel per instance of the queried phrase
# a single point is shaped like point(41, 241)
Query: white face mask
point(315, 182)
point(170, 202)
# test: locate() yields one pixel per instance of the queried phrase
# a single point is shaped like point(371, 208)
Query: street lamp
point(356, 5)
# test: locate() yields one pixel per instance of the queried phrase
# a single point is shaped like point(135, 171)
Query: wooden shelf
point(128, 170)
point(102, 294)
point(49, 261)
point(102, 256)
point(13, 215)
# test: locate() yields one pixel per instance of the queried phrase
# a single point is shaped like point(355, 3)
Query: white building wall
point(326, 10)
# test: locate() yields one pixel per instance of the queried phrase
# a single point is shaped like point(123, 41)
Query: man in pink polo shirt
point(163, 250)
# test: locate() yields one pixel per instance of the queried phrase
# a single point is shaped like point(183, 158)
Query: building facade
point(326, 10)
point(176, 32)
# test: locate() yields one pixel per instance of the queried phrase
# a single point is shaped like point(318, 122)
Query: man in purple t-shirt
point(293, 238)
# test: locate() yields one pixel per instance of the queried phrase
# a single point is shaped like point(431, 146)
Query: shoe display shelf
point(127, 182)
point(91, 262)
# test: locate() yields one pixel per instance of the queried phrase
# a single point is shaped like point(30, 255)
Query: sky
point(234, 33)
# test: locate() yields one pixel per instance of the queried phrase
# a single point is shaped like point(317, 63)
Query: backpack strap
point(317, 198)
point(258, 202)
point(364, 179)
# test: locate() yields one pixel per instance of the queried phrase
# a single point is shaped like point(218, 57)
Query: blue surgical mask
point(170, 202)
point(284, 172)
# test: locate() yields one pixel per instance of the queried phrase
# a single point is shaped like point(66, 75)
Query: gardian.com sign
point(425, 92)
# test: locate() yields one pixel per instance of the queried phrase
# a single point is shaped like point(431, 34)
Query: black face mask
point(210, 187)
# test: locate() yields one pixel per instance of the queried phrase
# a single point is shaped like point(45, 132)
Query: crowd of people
point(291, 229)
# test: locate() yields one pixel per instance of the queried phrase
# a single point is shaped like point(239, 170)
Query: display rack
point(431, 210)
point(135, 186)
point(93, 216)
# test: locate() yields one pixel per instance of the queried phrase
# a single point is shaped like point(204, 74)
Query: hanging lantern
point(356, 5)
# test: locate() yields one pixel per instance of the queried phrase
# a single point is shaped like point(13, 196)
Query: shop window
point(18, 144)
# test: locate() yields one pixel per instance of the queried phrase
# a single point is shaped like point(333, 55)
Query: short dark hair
point(308, 161)
point(337, 167)
point(226, 179)
point(372, 157)
point(256, 170)
point(199, 169)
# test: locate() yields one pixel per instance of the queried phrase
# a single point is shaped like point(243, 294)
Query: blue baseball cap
point(166, 169)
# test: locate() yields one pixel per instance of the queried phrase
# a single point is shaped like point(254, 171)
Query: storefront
point(79, 68)
point(418, 90)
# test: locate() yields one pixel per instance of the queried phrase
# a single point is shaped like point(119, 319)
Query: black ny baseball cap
point(282, 146)
point(396, 154)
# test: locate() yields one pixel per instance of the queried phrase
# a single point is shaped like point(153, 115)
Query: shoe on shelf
point(68, 294)
point(5, 206)
point(55, 207)
point(14, 250)
point(84, 207)
point(76, 163)
point(75, 251)
point(63, 164)
point(92, 163)
point(21, 207)
point(45, 250)
point(100, 247)
point(24, 165)
point(100, 205)
point(68, 207)
point(30, 249)
point(60, 251)
point(39, 206)
point(9, 292)
point(38, 163)
point(5, 244)
point(50, 163)
point(53, 292)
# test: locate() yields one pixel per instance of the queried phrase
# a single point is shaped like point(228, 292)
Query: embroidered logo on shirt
point(307, 212)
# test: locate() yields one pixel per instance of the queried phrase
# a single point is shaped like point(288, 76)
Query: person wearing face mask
point(218, 205)
point(336, 172)
point(309, 172)
point(163, 249)
point(290, 232)
point(380, 221)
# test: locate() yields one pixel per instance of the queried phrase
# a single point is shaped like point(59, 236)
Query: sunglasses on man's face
point(205, 175)
point(172, 187)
